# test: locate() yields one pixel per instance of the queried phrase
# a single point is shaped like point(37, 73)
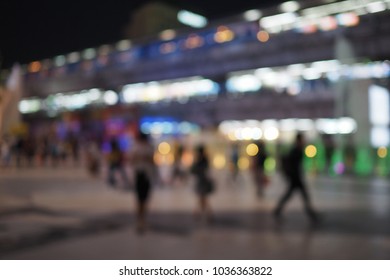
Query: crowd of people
point(50, 151)
point(45, 150)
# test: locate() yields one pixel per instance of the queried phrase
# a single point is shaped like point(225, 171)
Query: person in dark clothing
point(295, 180)
point(145, 172)
point(258, 170)
point(204, 185)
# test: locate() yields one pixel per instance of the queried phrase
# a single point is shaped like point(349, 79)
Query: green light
point(363, 164)
point(270, 165)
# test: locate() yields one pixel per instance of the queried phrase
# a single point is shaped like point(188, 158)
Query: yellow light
point(263, 36)
point(164, 148)
point(219, 161)
point(223, 34)
point(243, 163)
point(382, 152)
point(252, 150)
point(311, 151)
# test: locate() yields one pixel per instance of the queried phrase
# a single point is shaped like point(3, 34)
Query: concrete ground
point(62, 213)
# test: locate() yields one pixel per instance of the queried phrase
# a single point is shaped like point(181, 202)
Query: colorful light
point(311, 151)
point(252, 150)
point(382, 152)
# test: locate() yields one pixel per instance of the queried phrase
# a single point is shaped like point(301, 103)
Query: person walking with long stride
point(294, 174)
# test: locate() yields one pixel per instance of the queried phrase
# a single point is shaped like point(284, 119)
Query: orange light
point(34, 66)
point(263, 36)
point(194, 41)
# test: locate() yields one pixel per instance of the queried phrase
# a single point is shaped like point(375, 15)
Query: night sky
point(34, 30)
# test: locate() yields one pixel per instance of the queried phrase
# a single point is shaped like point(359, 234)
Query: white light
point(304, 124)
point(271, 133)
point(289, 7)
point(168, 34)
point(288, 125)
point(123, 45)
point(29, 106)
point(110, 97)
point(89, 53)
point(191, 19)
point(278, 20)
point(311, 74)
point(59, 60)
point(379, 108)
point(327, 126)
point(380, 136)
point(346, 125)
point(376, 7)
point(245, 83)
point(252, 15)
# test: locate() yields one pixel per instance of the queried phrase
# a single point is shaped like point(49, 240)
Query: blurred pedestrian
point(178, 173)
point(295, 180)
point(144, 170)
point(93, 159)
point(257, 167)
point(5, 152)
point(204, 185)
point(116, 164)
point(234, 157)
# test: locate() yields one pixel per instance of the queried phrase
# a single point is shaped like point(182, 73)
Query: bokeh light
point(164, 148)
point(311, 151)
point(252, 149)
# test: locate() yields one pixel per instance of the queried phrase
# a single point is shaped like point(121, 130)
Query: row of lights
point(270, 129)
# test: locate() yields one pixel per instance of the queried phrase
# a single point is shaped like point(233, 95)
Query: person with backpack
point(293, 169)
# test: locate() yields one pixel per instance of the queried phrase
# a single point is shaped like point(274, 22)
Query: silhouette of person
point(204, 185)
point(258, 169)
point(144, 170)
point(178, 171)
point(116, 164)
point(234, 156)
point(295, 180)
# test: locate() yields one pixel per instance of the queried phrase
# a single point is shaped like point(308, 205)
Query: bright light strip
point(244, 83)
point(191, 19)
point(168, 90)
point(278, 20)
point(28, 106)
point(376, 7)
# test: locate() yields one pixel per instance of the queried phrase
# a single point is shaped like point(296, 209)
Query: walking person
point(204, 185)
point(116, 164)
point(295, 180)
point(144, 170)
point(258, 171)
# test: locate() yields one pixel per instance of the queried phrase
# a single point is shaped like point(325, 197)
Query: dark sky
point(33, 30)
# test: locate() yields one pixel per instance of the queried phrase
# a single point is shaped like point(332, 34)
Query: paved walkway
point(64, 214)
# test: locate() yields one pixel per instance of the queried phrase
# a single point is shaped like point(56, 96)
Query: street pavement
point(63, 213)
